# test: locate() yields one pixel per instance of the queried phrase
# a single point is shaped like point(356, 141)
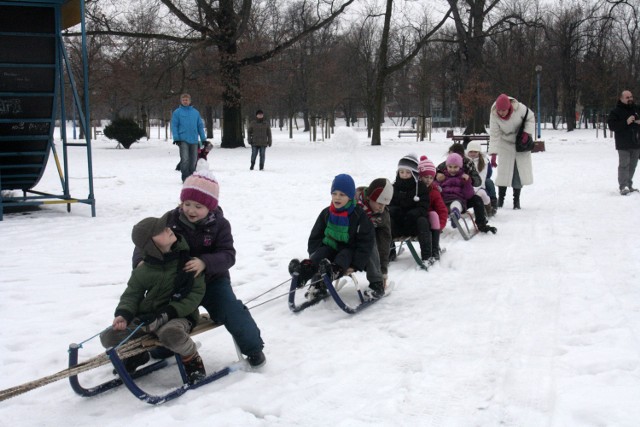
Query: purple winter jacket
point(210, 240)
point(456, 188)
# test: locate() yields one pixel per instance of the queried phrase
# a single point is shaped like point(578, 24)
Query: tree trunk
point(378, 96)
point(231, 107)
point(209, 121)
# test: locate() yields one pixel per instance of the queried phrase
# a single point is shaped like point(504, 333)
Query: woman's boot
point(516, 198)
point(502, 192)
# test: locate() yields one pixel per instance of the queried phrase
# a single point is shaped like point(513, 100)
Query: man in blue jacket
point(186, 127)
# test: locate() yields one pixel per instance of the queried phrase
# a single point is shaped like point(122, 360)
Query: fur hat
point(380, 191)
point(201, 187)
point(426, 167)
point(503, 102)
point(454, 159)
point(410, 162)
point(143, 231)
point(474, 146)
point(344, 183)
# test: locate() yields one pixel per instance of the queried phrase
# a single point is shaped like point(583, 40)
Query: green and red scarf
point(337, 230)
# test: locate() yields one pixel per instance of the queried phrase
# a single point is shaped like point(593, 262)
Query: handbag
point(523, 145)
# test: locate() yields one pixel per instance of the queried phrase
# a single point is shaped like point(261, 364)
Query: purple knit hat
point(454, 159)
point(201, 187)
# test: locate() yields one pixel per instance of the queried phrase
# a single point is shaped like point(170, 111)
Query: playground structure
point(34, 71)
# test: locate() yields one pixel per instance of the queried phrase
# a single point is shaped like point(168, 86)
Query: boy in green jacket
point(161, 296)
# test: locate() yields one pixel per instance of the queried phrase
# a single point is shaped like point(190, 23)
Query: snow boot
point(257, 360)
point(494, 206)
point(392, 252)
point(486, 228)
point(516, 198)
point(502, 192)
point(488, 210)
point(435, 244)
point(426, 250)
point(194, 368)
point(134, 362)
point(252, 165)
point(377, 290)
point(304, 268)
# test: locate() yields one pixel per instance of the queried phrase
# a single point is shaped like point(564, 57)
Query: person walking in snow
point(259, 137)
point(186, 127)
point(624, 121)
point(199, 220)
point(161, 296)
point(516, 169)
point(342, 234)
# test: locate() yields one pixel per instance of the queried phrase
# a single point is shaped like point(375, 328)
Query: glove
point(525, 138)
point(493, 161)
point(177, 143)
point(155, 324)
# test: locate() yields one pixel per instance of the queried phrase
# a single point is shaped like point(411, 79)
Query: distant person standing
point(624, 121)
point(259, 136)
point(186, 127)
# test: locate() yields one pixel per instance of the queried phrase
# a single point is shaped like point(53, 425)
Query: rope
point(131, 348)
point(267, 291)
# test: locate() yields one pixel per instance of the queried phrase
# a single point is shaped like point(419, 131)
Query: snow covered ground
point(538, 325)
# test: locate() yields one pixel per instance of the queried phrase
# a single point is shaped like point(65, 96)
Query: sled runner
point(332, 287)
point(408, 241)
point(468, 231)
point(140, 345)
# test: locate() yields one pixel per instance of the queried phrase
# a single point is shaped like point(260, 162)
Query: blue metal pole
point(538, 74)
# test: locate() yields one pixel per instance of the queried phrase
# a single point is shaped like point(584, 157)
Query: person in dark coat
point(409, 207)
point(259, 136)
point(201, 222)
point(342, 234)
point(624, 120)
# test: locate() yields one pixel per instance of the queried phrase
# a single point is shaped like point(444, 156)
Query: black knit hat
point(259, 112)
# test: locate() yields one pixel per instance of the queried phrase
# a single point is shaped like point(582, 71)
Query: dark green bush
point(124, 130)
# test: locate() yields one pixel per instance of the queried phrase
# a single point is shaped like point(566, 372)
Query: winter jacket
point(404, 191)
point(382, 225)
point(437, 205)
point(210, 240)
point(627, 136)
point(502, 141)
point(356, 252)
point(468, 166)
point(454, 187)
point(259, 133)
point(151, 286)
point(484, 173)
point(187, 125)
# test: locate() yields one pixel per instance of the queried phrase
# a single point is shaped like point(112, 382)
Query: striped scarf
point(362, 202)
point(338, 225)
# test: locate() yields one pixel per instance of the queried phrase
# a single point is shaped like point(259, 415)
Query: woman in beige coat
point(516, 171)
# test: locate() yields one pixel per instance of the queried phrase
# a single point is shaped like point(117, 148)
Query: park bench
point(466, 138)
point(407, 132)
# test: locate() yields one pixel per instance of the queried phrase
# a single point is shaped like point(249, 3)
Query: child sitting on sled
point(458, 193)
point(342, 234)
point(438, 213)
point(486, 190)
point(161, 296)
point(199, 220)
point(409, 207)
point(374, 200)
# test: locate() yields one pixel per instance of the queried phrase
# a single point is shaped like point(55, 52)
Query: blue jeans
point(223, 307)
point(254, 153)
point(188, 159)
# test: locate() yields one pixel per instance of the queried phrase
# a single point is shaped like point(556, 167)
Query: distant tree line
point(318, 59)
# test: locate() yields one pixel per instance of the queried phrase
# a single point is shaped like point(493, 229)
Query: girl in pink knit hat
point(438, 213)
point(200, 221)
